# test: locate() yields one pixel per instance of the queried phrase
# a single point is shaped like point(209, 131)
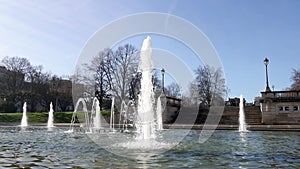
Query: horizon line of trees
point(20, 82)
point(114, 72)
point(295, 78)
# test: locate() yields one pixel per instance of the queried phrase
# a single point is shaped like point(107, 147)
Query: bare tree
point(191, 98)
point(124, 66)
point(101, 69)
point(211, 84)
point(173, 90)
point(18, 69)
point(38, 82)
point(60, 93)
point(13, 80)
point(295, 80)
point(20, 81)
point(16, 64)
point(112, 73)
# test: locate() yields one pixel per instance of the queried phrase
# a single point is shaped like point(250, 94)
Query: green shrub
point(10, 117)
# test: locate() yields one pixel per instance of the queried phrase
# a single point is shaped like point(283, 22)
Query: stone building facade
point(280, 107)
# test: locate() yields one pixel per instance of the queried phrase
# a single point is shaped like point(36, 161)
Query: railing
point(282, 96)
point(173, 101)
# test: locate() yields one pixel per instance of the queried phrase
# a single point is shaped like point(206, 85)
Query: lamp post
point(266, 62)
point(163, 79)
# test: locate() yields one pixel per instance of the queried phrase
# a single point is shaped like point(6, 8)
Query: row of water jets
point(50, 123)
point(128, 117)
point(96, 116)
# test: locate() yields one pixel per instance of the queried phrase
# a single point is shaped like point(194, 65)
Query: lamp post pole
point(163, 79)
point(266, 62)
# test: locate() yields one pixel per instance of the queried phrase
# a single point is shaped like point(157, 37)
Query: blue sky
point(53, 33)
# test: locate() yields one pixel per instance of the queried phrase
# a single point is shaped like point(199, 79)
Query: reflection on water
point(36, 147)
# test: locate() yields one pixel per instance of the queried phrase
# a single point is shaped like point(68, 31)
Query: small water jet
point(127, 115)
point(84, 109)
point(112, 115)
point(123, 116)
point(159, 121)
point(50, 117)
point(24, 122)
point(96, 114)
point(242, 121)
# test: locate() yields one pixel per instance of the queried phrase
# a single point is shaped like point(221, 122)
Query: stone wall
point(280, 107)
point(280, 113)
point(230, 115)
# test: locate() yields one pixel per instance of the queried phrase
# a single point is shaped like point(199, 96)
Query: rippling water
point(35, 147)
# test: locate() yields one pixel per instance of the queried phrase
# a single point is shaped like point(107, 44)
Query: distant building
point(280, 107)
point(257, 101)
point(234, 101)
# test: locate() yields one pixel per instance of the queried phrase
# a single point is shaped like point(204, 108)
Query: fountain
point(84, 109)
point(242, 121)
point(145, 116)
point(123, 116)
point(112, 115)
point(24, 122)
point(96, 117)
point(159, 125)
point(50, 116)
point(140, 121)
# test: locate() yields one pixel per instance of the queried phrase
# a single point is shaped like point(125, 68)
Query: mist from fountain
point(242, 121)
point(50, 116)
point(24, 122)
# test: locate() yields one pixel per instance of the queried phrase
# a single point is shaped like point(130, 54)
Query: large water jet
point(145, 117)
point(242, 121)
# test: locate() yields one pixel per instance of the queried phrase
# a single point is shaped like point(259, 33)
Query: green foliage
point(38, 117)
point(63, 117)
point(42, 117)
point(105, 112)
point(10, 117)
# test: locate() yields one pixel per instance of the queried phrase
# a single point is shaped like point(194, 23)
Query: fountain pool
point(37, 147)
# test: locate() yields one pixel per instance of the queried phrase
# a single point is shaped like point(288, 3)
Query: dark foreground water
point(35, 147)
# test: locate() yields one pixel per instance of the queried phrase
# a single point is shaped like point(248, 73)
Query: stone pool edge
point(258, 127)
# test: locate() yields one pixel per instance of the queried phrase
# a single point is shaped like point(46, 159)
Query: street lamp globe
point(266, 61)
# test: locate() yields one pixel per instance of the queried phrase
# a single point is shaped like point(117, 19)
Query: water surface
point(36, 147)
